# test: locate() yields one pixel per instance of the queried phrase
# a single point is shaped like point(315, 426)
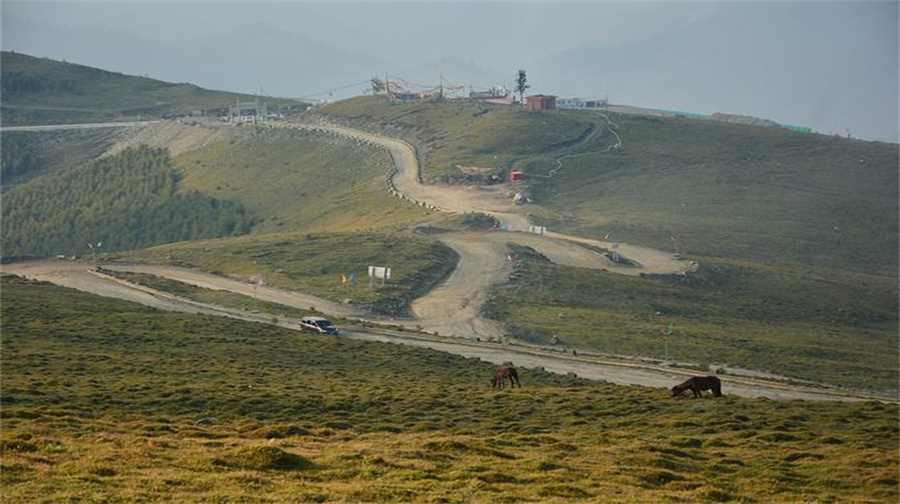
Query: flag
point(90, 246)
point(344, 279)
point(352, 277)
point(260, 282)
point(670, 329)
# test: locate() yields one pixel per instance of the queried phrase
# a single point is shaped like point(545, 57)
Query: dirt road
point(59, 127)
point(451, 309)
point(454, 308)
point(78, 275)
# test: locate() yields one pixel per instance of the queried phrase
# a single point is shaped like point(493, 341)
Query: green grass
point(300, 181)
point(107, 401)
point(725, 190)
point(759, 194)
point(463, 133)
point(774, 320)
point(45, 91)
point(315, 262)
point(797, 233)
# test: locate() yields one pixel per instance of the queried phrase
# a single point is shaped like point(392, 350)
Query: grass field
point(773, 320)
point(463, 133)
point(760, 194)
point(106, 401)
point(315, 263)
point(797, 234)
point(295, 180)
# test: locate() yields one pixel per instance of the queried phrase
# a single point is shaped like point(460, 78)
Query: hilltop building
point(541, 102)
point(252, 112)
point(580, 103)
point(497, 94)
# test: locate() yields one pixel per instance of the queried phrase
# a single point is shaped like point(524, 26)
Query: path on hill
point(57, 127)
point(79, 275)
point(453, 308)
point(492, 200)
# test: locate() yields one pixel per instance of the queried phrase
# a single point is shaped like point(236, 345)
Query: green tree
point(521, 85)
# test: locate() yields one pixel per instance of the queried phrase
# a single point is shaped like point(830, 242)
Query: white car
point(319, 325)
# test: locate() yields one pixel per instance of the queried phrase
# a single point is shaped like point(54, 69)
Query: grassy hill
point(297, 180)
point(45, 91)
point(105, 400)
point(316, 262)
point(755, 193)
point(726, 190)
point(463, 133)
point(840, 329)
point(797, 233)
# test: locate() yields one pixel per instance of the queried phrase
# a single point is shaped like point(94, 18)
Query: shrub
point(270, 457)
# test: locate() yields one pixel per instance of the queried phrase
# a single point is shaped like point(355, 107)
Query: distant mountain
point(804, 66)
point(255, 58)
point(45, 91)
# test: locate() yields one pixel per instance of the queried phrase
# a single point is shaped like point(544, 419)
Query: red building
point(516, 175)
point(541, 102)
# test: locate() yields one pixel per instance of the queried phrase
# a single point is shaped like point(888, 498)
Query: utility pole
point(94, 251)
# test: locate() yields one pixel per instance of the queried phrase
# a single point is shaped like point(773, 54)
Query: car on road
point(319, 325)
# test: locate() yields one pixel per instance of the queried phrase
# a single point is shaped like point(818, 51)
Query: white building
point(580, 103)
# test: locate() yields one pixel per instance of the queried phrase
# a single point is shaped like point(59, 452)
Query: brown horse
point(698, 384)
point(504, 373)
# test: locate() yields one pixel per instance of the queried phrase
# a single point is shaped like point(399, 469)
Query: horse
point(504, 373)
point(698, 384)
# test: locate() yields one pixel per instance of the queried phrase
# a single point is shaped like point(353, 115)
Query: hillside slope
point(796, 234)
point(727, 190)
point(28, 155)
point(45, 91)
point(104, 399)
point(124, 201)
point(299, 181)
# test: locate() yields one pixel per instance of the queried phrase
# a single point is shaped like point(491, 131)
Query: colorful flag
point(344, 279)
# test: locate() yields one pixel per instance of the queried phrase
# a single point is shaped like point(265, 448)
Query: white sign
point(537, 230)
point(380, 272)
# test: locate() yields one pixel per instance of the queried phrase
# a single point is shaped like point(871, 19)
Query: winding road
point(452, 308)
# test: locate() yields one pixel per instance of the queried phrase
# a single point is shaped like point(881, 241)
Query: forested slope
point(130, 200)
point(27, 155)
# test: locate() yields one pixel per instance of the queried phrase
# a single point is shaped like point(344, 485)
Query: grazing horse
point(504, 373)
point(698, 384)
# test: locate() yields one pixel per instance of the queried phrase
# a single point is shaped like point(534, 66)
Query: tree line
point(127, 201)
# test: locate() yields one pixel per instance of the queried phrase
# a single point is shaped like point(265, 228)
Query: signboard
point(380, 272)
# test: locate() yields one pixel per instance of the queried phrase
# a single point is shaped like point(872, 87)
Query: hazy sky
point(831, 66)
